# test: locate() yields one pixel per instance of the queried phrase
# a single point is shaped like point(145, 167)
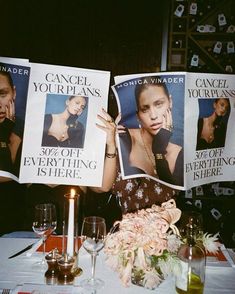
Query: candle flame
point(72, 193)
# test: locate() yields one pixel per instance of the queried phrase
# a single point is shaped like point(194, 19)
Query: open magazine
point(177, 128)
point(58, 153)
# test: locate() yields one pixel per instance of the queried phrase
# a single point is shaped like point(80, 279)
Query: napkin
point(34, 248)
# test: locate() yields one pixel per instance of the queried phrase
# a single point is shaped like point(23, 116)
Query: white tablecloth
point(19, 270)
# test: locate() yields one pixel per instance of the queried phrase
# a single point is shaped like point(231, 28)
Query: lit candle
point(70, 237)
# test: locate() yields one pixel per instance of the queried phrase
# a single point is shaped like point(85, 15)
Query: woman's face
point(153, 104)
point(76, 105)
point(221, 106)
point(7, 95)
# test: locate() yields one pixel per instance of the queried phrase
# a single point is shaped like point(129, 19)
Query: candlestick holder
point(70, 229)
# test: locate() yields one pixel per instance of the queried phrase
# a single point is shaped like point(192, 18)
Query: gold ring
point(110, 120)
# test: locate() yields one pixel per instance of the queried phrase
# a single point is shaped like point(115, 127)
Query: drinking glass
point(93, 236)
point(44, 224)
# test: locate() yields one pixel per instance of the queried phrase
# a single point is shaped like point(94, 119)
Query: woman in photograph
point(7, 98)
point(148, 149)
point(212, 129)
point(63, 129)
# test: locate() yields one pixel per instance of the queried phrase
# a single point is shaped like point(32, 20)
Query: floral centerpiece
point(143, 250)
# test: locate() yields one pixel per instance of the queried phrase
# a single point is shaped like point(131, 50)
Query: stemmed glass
point(93, 236)
point(44, 224)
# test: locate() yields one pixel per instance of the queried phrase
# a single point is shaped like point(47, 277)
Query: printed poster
point(210, 133)
point(152, 108)
point(62, 144)
point(14, 80)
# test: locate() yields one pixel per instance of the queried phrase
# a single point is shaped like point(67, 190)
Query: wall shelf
point(186, 42)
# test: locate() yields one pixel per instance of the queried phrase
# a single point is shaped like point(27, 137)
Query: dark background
point(119, 36)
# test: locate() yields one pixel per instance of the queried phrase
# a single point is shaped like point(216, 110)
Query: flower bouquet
point(143, 249)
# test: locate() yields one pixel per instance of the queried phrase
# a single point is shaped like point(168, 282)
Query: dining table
point(18, 275)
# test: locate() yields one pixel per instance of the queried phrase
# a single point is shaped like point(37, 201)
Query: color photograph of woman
point(212, 123)
point(148, 148)
point(7, 97)
point(64, 122)
point(13, 93)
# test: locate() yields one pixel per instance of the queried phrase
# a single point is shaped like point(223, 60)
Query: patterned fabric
point(140, 193)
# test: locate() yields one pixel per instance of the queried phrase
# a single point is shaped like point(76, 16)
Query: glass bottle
point(193, 262)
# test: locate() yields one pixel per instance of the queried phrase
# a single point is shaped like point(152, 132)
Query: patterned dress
point(138, 193)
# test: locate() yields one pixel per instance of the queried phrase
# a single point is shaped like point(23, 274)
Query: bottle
point(193, 262)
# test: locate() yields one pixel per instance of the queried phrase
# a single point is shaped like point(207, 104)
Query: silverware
point(6, 291)
point(22, 251)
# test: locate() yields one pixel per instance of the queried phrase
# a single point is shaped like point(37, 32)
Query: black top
point(162, 166)
point(219, 135)
point(6, 128)
point(75, 134)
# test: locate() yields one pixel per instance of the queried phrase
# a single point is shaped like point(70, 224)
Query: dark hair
point(146, 82)
point(7, 75)
point(72, 97)
point(217, 99)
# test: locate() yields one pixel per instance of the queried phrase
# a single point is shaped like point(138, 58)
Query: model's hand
point(10, 110)
point(109, 126)
point(119, 128)
point(167, 120)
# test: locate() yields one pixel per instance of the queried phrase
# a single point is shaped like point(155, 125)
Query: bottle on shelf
point(193, 262)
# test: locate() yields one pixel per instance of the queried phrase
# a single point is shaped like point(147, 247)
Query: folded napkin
point(34, 248)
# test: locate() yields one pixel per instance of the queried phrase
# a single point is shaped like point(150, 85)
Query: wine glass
point(44, 224)
point(93, 236)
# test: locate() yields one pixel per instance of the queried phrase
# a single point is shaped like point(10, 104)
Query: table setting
point(138, 255)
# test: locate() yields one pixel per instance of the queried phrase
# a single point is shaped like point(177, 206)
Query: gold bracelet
point(110, 155)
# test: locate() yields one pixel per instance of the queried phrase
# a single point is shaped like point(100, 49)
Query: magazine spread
point(55, 152)
point(143, 116)
point(209, 141)
point(14, 80)
point(41, 144)
point(190, 115)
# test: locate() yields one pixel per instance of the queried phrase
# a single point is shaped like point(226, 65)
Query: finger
point(10, 109)
point(167, 117)
point(102, 119)
point(107, 117)
point(170, 117)
point(169, 125)
point(120, 129)
point(13, 108)
point(118, 118)
point(164, 121)
point(7, 112)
